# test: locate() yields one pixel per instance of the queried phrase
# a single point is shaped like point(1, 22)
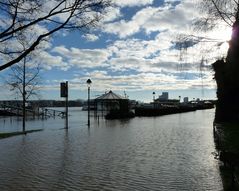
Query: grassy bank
point(6, 135)
point(227, 142)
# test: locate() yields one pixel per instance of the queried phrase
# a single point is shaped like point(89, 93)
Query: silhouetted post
point(88, 82)
point(24, 96)
point(153, 96)
point(64, 93)
point(66, 104)
point(154, 100)
point(42, 113)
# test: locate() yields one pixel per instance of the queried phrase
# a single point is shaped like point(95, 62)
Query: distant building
point(163, 97)
point(163, 100)
point(185, 100)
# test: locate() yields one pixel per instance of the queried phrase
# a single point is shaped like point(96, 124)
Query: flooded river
point(145, 153)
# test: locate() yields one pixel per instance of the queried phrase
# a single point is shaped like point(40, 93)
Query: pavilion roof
point(111, 96)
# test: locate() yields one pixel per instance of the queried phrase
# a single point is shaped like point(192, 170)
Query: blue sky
point(132, 50)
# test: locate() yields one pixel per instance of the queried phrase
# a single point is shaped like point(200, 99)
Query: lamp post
point(153, 96)
point(154, 100)
point(88, 82)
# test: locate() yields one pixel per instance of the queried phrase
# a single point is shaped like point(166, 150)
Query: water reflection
point(162, 153)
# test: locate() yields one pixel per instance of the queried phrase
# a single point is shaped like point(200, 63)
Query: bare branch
point(24, 15)
point(220, 13)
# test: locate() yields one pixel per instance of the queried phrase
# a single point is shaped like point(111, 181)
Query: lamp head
point(88, 82)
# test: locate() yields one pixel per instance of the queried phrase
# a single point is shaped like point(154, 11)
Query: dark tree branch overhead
point(24, 77)
point(218, 12)
point(21, 17)
point(223, 16)
point(214, 14)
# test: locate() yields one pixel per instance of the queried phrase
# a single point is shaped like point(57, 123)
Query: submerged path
point(6, 135)
point(145, 153)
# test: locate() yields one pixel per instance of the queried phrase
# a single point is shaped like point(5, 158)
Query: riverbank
point(11, 134)
point(227, 143)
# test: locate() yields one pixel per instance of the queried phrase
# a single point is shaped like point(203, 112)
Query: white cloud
point(126, 28)
point(150, 19)
point(111, 14)
point(84, 58)
point(90, 37)
point(49, 62)
point(136, 64)
point(143, 81)
point(131, 3)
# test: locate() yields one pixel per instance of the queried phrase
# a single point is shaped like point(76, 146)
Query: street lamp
point(154, 100)
point(153, 96)
point(88, 82)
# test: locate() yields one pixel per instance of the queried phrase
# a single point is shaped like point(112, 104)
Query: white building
point(163, 97)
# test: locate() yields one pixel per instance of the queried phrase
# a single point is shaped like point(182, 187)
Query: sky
point(133, 52)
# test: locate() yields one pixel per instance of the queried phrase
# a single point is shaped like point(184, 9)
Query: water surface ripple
point(162, 153)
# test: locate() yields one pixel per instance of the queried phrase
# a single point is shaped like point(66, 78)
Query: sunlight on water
point(162, 153)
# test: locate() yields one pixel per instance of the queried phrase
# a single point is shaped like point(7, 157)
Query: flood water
point(171, 152)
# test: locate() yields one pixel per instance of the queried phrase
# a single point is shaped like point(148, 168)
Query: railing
point(43, 112)
point(53, 112)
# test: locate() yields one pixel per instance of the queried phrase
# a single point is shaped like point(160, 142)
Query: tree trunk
point(227, 78)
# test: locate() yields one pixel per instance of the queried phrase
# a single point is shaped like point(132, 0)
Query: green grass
point(6, 135)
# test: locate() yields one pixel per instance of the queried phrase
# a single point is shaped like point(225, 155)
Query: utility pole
point(64, 93)
point(24, 96)
point(66, 84)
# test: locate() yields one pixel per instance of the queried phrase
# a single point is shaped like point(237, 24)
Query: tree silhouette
point(24, 80)
point(40, 19)
point(226, 70)
point(215, 13)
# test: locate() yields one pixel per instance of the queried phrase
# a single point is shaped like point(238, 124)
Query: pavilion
point(111, 101)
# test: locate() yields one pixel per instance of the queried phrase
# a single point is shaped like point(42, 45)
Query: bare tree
point(216, 11)
point(214, 14)
point(40, 19)
point(226, 70)
point(24, 77)
point(24, 81)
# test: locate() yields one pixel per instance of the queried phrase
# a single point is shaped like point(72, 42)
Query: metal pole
point(24, 96)
point(66, 104)
point(154, 100)
point(89, 106)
